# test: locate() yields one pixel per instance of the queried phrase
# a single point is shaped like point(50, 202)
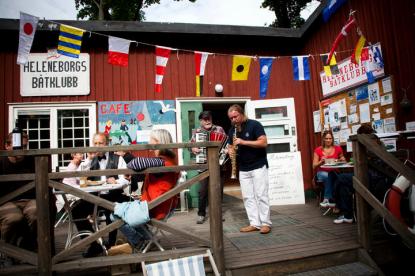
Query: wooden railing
point(45, 264)
point(361, 144)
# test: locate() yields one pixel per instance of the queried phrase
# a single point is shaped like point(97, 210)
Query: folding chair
point(187, 266)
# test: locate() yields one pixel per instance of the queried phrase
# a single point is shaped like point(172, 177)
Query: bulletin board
point(372, 103)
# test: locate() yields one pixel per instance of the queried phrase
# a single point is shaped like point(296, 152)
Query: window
point(56, 125)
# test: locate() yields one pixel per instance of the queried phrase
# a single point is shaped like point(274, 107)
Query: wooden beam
point(60, 175)
point(165, 226)
point(386, 157)
point(86, 263)
point(43, 216)
point(86, 241)
point(16, 177)
point(18, 253)
point(215, 209)
point(16, 192)
point(398, 226)
point(83, 195)
point(154, 203)
point(19, 270)
point(363, 215)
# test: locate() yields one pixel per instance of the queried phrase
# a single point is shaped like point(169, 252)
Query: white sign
point(285, 178)
point(55, 76)
point(350, 75)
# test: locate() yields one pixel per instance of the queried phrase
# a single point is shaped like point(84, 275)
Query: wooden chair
point(318, 188)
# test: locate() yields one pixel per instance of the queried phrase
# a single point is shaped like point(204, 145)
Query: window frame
point(52, 109)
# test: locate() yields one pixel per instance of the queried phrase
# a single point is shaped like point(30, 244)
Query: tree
point(287, 12)
point(124, 10)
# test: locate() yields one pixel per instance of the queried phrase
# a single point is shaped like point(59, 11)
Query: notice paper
point(364, 113)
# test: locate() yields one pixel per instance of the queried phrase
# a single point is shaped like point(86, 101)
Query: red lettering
point(103, 109)
point(357, 73)
point(112, 109)
point(119, 108)
point(127, 109)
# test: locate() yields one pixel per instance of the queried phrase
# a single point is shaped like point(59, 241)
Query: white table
point(338, 166)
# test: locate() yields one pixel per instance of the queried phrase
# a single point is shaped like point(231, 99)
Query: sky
point(220, 12)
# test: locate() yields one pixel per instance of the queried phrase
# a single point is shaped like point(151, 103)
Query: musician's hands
point(237, 141)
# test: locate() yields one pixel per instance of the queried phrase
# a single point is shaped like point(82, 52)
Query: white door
point(278, 118)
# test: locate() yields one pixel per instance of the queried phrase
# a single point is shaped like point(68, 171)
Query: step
point(352, 269)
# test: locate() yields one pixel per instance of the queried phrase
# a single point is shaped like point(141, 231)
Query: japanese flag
point(118, 49)
point(28, 24)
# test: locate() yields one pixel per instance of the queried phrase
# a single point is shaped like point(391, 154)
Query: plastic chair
point(187, 266)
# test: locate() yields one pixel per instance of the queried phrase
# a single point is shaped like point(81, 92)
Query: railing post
point(361, 173)
point(43, 216)
point(215, 209)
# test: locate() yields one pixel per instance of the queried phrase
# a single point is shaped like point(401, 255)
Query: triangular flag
point(200, 63)
point(331, 7)
point(301, 68)
point(332, 68)
point(28, 24)
point(240, 67)
point(358, 50)
point(118, 49)
point(343, 33)
point(265, 65)
point(70, 41)
point(162, 57)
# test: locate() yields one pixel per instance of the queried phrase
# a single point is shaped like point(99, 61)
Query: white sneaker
point(325, 203)
point(342, 219)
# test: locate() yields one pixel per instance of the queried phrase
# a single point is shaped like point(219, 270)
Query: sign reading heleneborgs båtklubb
point(43, 75)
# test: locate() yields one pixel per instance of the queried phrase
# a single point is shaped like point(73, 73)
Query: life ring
point(394, 196)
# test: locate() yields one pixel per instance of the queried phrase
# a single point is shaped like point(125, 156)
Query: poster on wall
point(285, 173)
point(131, 122)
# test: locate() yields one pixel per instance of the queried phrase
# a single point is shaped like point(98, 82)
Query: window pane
point(67, 133)
point(271, 112)
point(67, 144)
point(45, 144)
point(33, 134)
point(45, 123)
point(66, 122)
point(80, 143)
point(45, 134)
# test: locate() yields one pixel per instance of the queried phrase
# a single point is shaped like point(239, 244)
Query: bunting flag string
point(70, 41)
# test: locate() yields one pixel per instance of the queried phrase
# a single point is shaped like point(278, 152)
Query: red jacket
point(155, 185)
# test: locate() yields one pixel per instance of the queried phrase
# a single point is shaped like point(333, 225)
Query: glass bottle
point(17, 136)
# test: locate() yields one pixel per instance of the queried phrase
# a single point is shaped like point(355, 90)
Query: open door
point(278, 118)
point(189, 121)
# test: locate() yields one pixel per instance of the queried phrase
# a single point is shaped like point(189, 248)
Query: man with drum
point(206, 132)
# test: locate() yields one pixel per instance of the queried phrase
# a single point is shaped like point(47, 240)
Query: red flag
point(200, 62)
point(357, 53)
point(346, 28)
point(162, 57)
point(118, 49)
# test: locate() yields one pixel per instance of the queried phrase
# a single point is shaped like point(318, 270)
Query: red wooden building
point(69, 120)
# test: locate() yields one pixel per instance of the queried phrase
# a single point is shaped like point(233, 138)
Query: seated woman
point(154, 185)
point(327, 151)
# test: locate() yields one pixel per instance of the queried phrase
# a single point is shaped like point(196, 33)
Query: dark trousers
point(344, 194)
point(204, 192)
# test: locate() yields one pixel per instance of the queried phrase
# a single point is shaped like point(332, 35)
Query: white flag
point(28, 24)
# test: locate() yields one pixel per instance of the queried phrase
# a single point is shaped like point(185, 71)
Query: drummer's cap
point(205, 115)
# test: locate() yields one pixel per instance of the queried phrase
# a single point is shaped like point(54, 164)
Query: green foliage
point(287, 12)
point(122, 10)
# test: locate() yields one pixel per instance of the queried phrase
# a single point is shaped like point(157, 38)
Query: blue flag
point(331, 7)
point(301, 68)
point(264, 74)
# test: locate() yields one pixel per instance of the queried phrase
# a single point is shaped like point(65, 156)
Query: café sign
point(350, 75)
point(44, 75)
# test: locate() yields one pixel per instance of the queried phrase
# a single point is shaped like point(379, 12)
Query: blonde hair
point(239, 109)
point(162, 136)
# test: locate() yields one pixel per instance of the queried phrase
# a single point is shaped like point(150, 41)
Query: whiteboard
point(285, 178)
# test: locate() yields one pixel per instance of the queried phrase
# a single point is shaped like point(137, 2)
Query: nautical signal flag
point(200, 63)
point(70, 41)
point(357, 53)
point(331, 7)
point(240, 68)
point(162, 57)
point(331, 68)
point(118, 49)
point(264, 74)
point(301, 68)
point(28, 24)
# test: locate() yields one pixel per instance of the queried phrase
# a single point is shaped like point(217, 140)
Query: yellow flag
point(240, 68)
point(332, 68)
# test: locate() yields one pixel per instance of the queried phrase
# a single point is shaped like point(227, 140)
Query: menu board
point(285, 178)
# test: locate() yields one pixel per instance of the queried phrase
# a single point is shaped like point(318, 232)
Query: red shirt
point(336, 155)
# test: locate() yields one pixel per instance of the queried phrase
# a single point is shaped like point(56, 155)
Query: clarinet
point(233, 157)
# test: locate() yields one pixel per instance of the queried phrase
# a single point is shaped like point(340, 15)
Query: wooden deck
point(299, 232)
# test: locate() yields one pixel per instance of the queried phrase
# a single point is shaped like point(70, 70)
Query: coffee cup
point(83, 182)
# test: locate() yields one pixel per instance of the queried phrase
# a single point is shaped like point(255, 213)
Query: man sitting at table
point(100, 161)
point(379, 182)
